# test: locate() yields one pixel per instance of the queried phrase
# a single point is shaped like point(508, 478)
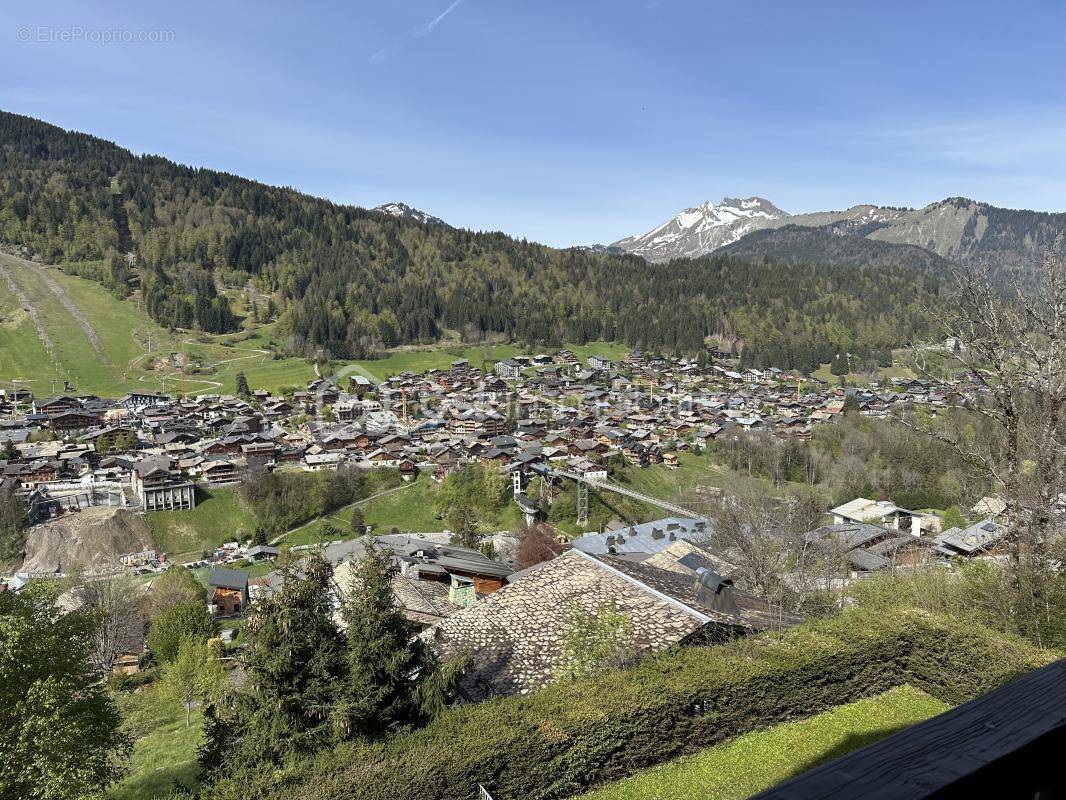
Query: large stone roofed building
point(431, 578)
point(424, 603)
point(514, 637)
point(867, 547)
point(425, 560)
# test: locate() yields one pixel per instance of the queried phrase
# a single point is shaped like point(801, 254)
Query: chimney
point(715, 592)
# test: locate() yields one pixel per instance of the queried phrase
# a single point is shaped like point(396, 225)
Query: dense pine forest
point(346, 282)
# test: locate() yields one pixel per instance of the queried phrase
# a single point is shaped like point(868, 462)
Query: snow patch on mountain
point(405, 211)
point(706, 227)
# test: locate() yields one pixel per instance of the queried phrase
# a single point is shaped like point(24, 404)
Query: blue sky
point(568, 121)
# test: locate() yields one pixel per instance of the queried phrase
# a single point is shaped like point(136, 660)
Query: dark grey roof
point(223, 578)
point(264, 550)
point(977, 537)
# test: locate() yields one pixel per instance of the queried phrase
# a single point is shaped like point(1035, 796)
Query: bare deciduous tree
point(539, 542)
point(117, 604)
point(1008, 337)
point(765, 540)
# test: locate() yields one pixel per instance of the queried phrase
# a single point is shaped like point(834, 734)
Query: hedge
point(559, 741)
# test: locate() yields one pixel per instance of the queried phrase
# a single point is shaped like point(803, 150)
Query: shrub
point(188, 620)
point(567, 737)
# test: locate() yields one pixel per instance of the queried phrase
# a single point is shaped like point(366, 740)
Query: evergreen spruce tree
point(242, 385)
point(295, 669)
point(839, 365)
point(394, 680)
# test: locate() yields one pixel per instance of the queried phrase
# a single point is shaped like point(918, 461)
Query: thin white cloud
point(380, 55)
point(427, 28)
point(1010, 139)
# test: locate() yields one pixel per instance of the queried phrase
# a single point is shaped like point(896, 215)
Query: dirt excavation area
point(90, 539)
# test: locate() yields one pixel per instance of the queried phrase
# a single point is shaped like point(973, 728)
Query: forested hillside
point(793, 244)
point(349, 283)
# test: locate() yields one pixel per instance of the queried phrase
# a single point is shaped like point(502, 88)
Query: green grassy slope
point(21, 353)
point(127, 342)
point(164, 749)
point(748, 764)
point(219, 517)
point(118, 361)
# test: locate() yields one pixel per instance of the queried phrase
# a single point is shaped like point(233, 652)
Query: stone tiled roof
point(421, 601)
point(670, 558)
point(513, 636)
point(753, 614)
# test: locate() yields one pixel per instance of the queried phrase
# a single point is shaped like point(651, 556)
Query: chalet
point(219, 472)
point(981, 538)
point(55, 405)
point(568, 357)
point(229, 591)
point(315, 462)
point(17, 397)
point(71, 421)
point(589, 448)
point(262, 552)
point(880, 512)
point(105, 439)
point(135, 401)
point(439, 562)
point(382, 458)
point(262, 449)
point(867, 547)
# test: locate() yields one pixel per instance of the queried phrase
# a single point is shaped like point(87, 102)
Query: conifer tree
point(294, 671)
point(394, 680)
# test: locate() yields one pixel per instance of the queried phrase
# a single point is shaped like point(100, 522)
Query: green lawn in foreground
point(748, 764)
point(164, 750)
point(219, 517)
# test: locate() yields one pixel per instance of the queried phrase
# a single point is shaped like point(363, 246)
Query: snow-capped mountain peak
point(406, 212)
point(699, 230)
